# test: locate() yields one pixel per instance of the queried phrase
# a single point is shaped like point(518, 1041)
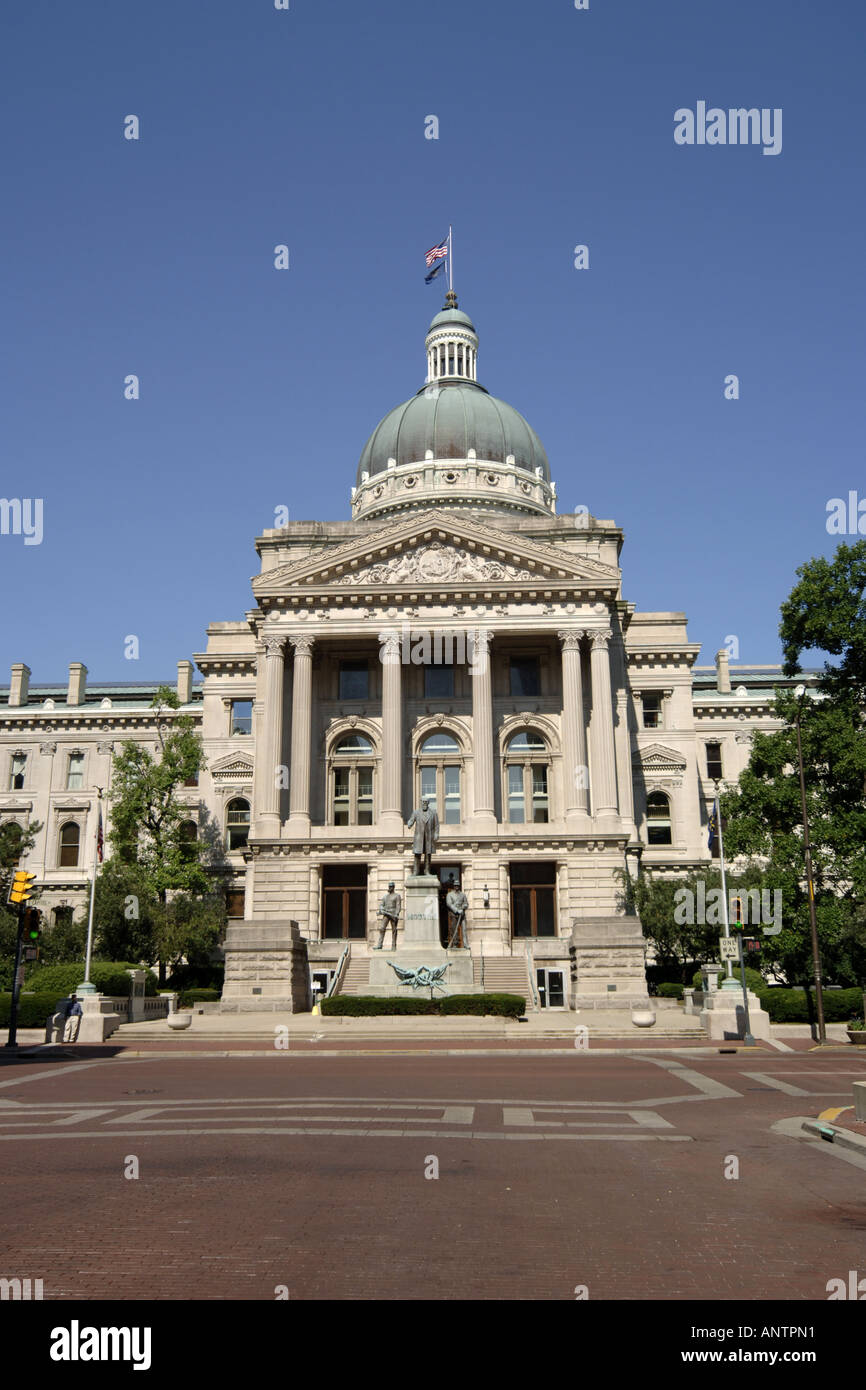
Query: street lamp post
point(800, 692)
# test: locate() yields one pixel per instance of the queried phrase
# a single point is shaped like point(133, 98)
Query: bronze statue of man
point(389, 911)
point(458, 905)
point(426, 823)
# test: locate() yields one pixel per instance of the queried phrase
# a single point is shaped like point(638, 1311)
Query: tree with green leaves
point(155, 897)
point(15, 843)
point(825, 611)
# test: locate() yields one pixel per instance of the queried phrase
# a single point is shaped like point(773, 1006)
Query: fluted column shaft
point(302, 730)
point(603, 749)
point(482, 723)
point(391, 808)
point(576, 770)
point(269, 755)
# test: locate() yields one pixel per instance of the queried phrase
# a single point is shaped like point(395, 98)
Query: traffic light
point(21, 889)
point(737, 905)
point(32, 933)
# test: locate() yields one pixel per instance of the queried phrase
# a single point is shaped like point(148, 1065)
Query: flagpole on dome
point(450, 262)
point(86, 987)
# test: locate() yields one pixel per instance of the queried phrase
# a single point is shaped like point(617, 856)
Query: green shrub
point(198, 977)
point(197, 996)
point(361, 1005)
point(798, 1005)
point(34, 1010)
point(358, 1005)
point(667, 990)
point(109, 977)
point(504, 1005)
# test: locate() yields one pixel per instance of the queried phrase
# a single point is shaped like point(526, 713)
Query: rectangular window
point(515, 794)
point(525, 675)
point(452, 795)
point(539, 794)
point(652, 710)
point(365, 796)
point(341, 796)
point(242, 716)
point(428, 783)
point(235, 902)
point(16, 774)
point(438, 682)
point(714, 762)
point(192, 781)
point(354, 680)
point(75, 772)
point(533, 907)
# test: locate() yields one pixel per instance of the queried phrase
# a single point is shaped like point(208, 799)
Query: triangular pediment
point(232, 767)
point(656, 758)
point(437, 548)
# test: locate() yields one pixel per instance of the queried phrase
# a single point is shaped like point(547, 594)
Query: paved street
point(305, 1170)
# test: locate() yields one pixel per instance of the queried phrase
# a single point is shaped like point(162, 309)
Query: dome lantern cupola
point(452, 443)
point(452, 345)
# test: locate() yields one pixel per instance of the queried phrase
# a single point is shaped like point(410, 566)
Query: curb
point(832, 1135)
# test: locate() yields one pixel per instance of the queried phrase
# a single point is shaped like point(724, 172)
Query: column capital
point(600, 637)
point(274, 643)
point(570, 637)
point(303, 645)
point(391, 646)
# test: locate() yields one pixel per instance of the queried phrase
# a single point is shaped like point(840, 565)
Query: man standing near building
point(73, 1019)
point(389, 910)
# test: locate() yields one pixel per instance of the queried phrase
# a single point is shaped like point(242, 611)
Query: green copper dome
point(448, 418)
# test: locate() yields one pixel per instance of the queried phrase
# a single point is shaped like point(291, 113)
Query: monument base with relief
point(418, 947)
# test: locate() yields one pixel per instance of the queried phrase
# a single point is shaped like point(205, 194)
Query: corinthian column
point(391, 806)
point(302, 732)
point(482, 727)
point(575, 768)
point(603, 750)
point(269, 754)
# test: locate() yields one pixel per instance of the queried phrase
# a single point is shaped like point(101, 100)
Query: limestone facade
point(456, 639)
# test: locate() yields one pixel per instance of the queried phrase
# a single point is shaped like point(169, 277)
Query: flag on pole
point(100, 839)
point(713, 826)
point(437, 270)
point(436, 253)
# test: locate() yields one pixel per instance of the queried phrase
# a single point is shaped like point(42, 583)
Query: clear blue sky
point(259, 388)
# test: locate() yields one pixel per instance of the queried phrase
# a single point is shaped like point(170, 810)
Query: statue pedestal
point(420, 945)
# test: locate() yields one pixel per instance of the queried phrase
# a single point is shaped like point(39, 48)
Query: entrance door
point(344, 902)
point(551, 988)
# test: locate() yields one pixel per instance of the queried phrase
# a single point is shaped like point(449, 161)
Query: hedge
point(360, 1005)
point(665, 989)
point(504, 1005)
point(108, 976)
point(796, 1006)
point(34, 1010)
point(197, 996)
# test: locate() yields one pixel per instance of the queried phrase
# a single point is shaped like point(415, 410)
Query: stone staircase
point(356, 980)
point(503, 975)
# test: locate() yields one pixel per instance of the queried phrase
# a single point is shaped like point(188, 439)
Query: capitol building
point(456, 640)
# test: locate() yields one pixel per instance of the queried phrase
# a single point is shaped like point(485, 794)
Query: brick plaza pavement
point(604, 1170)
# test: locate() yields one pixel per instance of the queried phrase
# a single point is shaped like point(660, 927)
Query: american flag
point(437, 252)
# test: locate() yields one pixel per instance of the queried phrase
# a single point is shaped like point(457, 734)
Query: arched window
point(188, 837)
point(526, 772)
point(658, 815)
point(439, 775)
point(70, 842)
point(351, 781)
point(237, 823)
